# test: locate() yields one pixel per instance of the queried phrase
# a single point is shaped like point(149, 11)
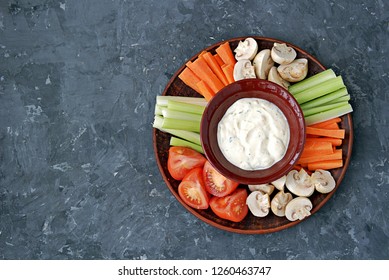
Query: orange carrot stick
point(205, 90)
point(337, 154)
point(202, 70)
point(334, 141)
point(335, 133)
point(322, 150)
point(330, 126)
point(215, 67)
point(225, 53)
point(318, 146)
point(228, 70)
point(218, 59)
point(326, 164)
point(189, 78)
point(323, 124)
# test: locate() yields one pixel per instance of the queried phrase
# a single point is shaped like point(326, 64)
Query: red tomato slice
point(231, 207)
point(192, 190)
point(181, 160)
point(215, 183)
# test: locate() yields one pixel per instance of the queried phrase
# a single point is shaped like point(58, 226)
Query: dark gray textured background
point(78, 81)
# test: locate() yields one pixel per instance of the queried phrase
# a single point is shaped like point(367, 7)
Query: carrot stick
point(218, 59)
point(202, 70)
point(326, 164)
point(189, 78)
point(335, 133)
point(225, 53)
point(330, 126)
point(316, 152)
point(205, 90)
point(334, 141)
point(215, 67)
point(337, 154)
point(323, 124)
point(318, 146)
point(228, 70)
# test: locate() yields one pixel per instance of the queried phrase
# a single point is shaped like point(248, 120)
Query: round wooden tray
point(251, 224)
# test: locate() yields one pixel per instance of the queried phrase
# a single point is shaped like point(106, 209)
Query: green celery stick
point(158, 109)
point(180, 142)
point(181, 124)
point(173, 114)
point(311, 81)
point(323, 108)
point(185, 107)
point(327, 115)
point(324, 99)
point(162, 100)
point(319, 90)
point(340, 99)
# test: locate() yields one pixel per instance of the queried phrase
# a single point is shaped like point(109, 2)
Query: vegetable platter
point(250, 224)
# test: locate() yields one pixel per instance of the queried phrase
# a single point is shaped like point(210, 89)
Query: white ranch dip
point(253, 134)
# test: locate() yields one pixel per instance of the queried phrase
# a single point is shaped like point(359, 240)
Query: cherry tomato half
point(215, 183)
point(231, 207)
point(192, 190)
point(181, 160)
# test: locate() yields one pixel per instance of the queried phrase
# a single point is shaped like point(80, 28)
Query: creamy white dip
point(253, 134)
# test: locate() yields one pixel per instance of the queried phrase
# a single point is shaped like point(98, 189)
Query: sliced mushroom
point(274, 77)
point(266, 188)
point(243, 69)
point(246, 49)
point(298, 208)
point(279, 202)
point(294, 71)
point(262, 64)
point(282, 54)
point(299, 183)
point(323, 181)
point(258, 203)
point(279, 183)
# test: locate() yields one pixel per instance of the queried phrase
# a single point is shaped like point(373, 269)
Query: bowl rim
point(252, 88)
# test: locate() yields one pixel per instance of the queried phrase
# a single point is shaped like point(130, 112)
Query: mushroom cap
point(246, 49)
point(274, 77)
point(295, 71)
point(265, 188)
point(298, 208)
point(282, 54)
point(323, 181)
point(258, 203)
point(262, 64)
point(299, 183)
point(279, 202)
point(280, 183)
point(243, 69)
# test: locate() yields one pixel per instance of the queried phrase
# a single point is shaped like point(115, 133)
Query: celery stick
point(324, 99)
point(190, 136)
point(185, 107)
point(319, 90)
point(158, 109)
point(312, 81)
point(322, 108)
point(181, 124)
point(162, 100)
point(172, 114)
point(186, 135)
point(327, 115)
point(340, 99)
point(158, 121)
point(179, 142)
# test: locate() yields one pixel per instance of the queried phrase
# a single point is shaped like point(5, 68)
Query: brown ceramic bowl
point(250, 224)
point(252, 88)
